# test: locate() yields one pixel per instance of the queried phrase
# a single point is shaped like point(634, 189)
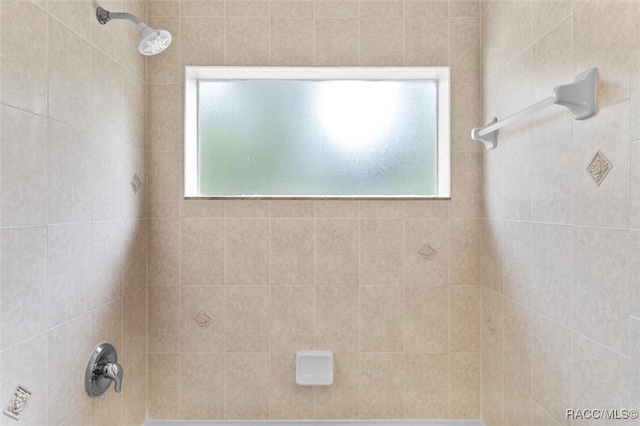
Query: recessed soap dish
point(314, 368)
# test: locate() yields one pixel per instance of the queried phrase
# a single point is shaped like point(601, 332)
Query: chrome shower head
point(153, 41)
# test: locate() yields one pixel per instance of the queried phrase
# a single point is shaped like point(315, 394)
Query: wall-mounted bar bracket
point(579, 96)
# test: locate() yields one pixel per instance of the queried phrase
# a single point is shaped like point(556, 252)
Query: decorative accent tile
point(490, 325)
point(599, 167)
point(17, 402)
point(427, 251)
point(202, 319)
point(135, 183)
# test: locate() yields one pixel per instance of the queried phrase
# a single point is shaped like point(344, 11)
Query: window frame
point(193, 74)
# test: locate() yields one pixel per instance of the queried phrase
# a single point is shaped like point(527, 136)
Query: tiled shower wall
point(236, 287)
point(72, 231)
point(561, 314)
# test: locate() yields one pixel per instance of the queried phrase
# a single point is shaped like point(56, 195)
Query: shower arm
point(105, 16)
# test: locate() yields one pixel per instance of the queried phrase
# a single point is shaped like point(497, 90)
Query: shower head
point(153, 41)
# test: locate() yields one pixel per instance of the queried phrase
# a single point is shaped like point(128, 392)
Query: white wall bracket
point(579, 97)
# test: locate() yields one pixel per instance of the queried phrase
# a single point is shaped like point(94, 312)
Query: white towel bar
point(579, 97)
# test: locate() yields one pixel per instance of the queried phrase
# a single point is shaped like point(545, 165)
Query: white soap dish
point(314, 368)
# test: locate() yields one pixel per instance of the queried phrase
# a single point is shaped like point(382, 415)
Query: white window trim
point(438, 74)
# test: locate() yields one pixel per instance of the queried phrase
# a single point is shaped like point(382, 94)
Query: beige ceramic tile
point(106, 324)
point(517, 172)
point(17, 366)
point(426, 252)
point(202, 395)
point(106, 262)
point(381, 41)
point(247, 316)
point(75, 14)
point(292, 9)
point(292, 41)
point(337, 9)
point(492, 178)
point(600, 285)
point(202, 41)
point(427, 319)
point(132, 60)
point(634, 273)
point(247, 208)
point(464, 8)
point(465, 115)
point(600, 376)
point(552, 249)
point(292, 318)
point(338, 209)
point(246, 386)
point(200, 208)
point(466, 185)
point(292, 251)
point(381, 8)
point(24, 56)
point(492, 395)
point(164, 117)
point(134, 110)
point(202, 313)
point(337, 319)
point(464, 49)
point(292, 208)
point(426, 386)
point(109, 39)
point(604, 33)
point(165, 68)
point(540, 417)
point(337, 252)
point(163, 7)
point(466, 316)
point(108, 410)
point(81, 417)
point(201, 8)
point(516, 84)
point(428, 8)
point(517, 405)
point(107, 97)
point(163, 392)
point(492, 39)
point(382, 385)
point(340, 400)
point(381, 251)
point(135, 255)
point(163, 243)
point(23, 176)
point(431, 209)
point(134, 164)
point(247, 41)
point(551, 176)
point(163, 320)
point(164, 184)
point(203, 252)
point(247, 251)
point(247, 8)
point(134, 394)
point(634, 96)
point(69, 76)
point(516, 262)
point(517, 345)
point(492, 249)
point(134, 320)
point(426, 41)
point(287, 399)
point(23, 284)
point(337, 41)
point(546, 14)
point(466, 249)
point(68, 272)
point(634, 186)
point(379, 209)
point(465, 385)
point(382, 319)
point(551, 367)
point(67, 348)
point(606, 204)
point(516, 18)
point(492, 327)
point(108, 185)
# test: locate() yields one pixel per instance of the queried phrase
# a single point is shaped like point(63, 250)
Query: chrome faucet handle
point(113, 371)
point(102, 369)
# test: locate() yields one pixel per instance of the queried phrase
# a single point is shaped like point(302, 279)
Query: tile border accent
point(17, 402)
point(202, 319)
point(135, 183)
point(427, 251)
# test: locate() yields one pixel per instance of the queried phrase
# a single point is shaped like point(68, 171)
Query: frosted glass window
point(272, 137)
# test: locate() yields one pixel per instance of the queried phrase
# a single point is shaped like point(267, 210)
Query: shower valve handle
point(113, 371)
